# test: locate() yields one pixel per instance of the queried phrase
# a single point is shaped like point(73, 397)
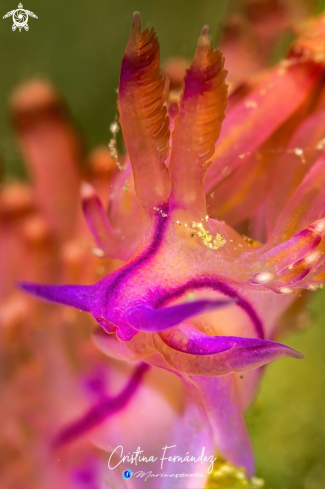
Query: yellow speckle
point(315, 287)
point(321, 144)
point(125, 188)
point(161, 212)
point(251, 242)
point(112, 148)
point(300, 153)
point(190, 296)
point(244, 154)
point(213, 242)
point(119, 166)
point(98, 252)
point(114, 128)
point(283, 66)
point(251, 104)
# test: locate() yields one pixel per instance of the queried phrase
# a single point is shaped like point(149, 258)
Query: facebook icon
point(127, 474)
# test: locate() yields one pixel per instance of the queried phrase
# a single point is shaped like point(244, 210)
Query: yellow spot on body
point(251, 104)
point(120, 166)
point(244, 154)
point(286, 290)
point(114, 128)
point(283, 66)
point(210, 241)
point(98, 252)
point(125, 188)
point(263, 278)
point(251, 242)
point(161, 212)
point(190, 296)
point(300, 153)
point(321, 144)
point(315, 287)
point(112, 148)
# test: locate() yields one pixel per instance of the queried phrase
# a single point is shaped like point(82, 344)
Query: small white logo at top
point(20, 18)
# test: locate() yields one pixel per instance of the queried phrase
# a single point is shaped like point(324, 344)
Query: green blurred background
point(78, 45)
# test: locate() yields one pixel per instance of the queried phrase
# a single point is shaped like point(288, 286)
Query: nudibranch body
point(195, 297)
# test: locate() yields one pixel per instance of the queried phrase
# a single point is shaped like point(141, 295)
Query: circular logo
point(127, 474)
point(20, 17)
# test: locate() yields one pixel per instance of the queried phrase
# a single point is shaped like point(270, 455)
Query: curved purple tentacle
point(214, 283)
point(103, 409)
point(190, 351)
point(146, 318)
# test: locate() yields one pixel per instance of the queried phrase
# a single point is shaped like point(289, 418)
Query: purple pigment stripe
point(160, 229)
point(195, 84)
point(101, 411)
point(217, 285)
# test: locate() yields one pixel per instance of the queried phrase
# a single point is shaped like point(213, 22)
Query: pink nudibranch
point(194, 296)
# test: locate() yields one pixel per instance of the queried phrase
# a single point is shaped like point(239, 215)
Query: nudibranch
point(195, 297)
